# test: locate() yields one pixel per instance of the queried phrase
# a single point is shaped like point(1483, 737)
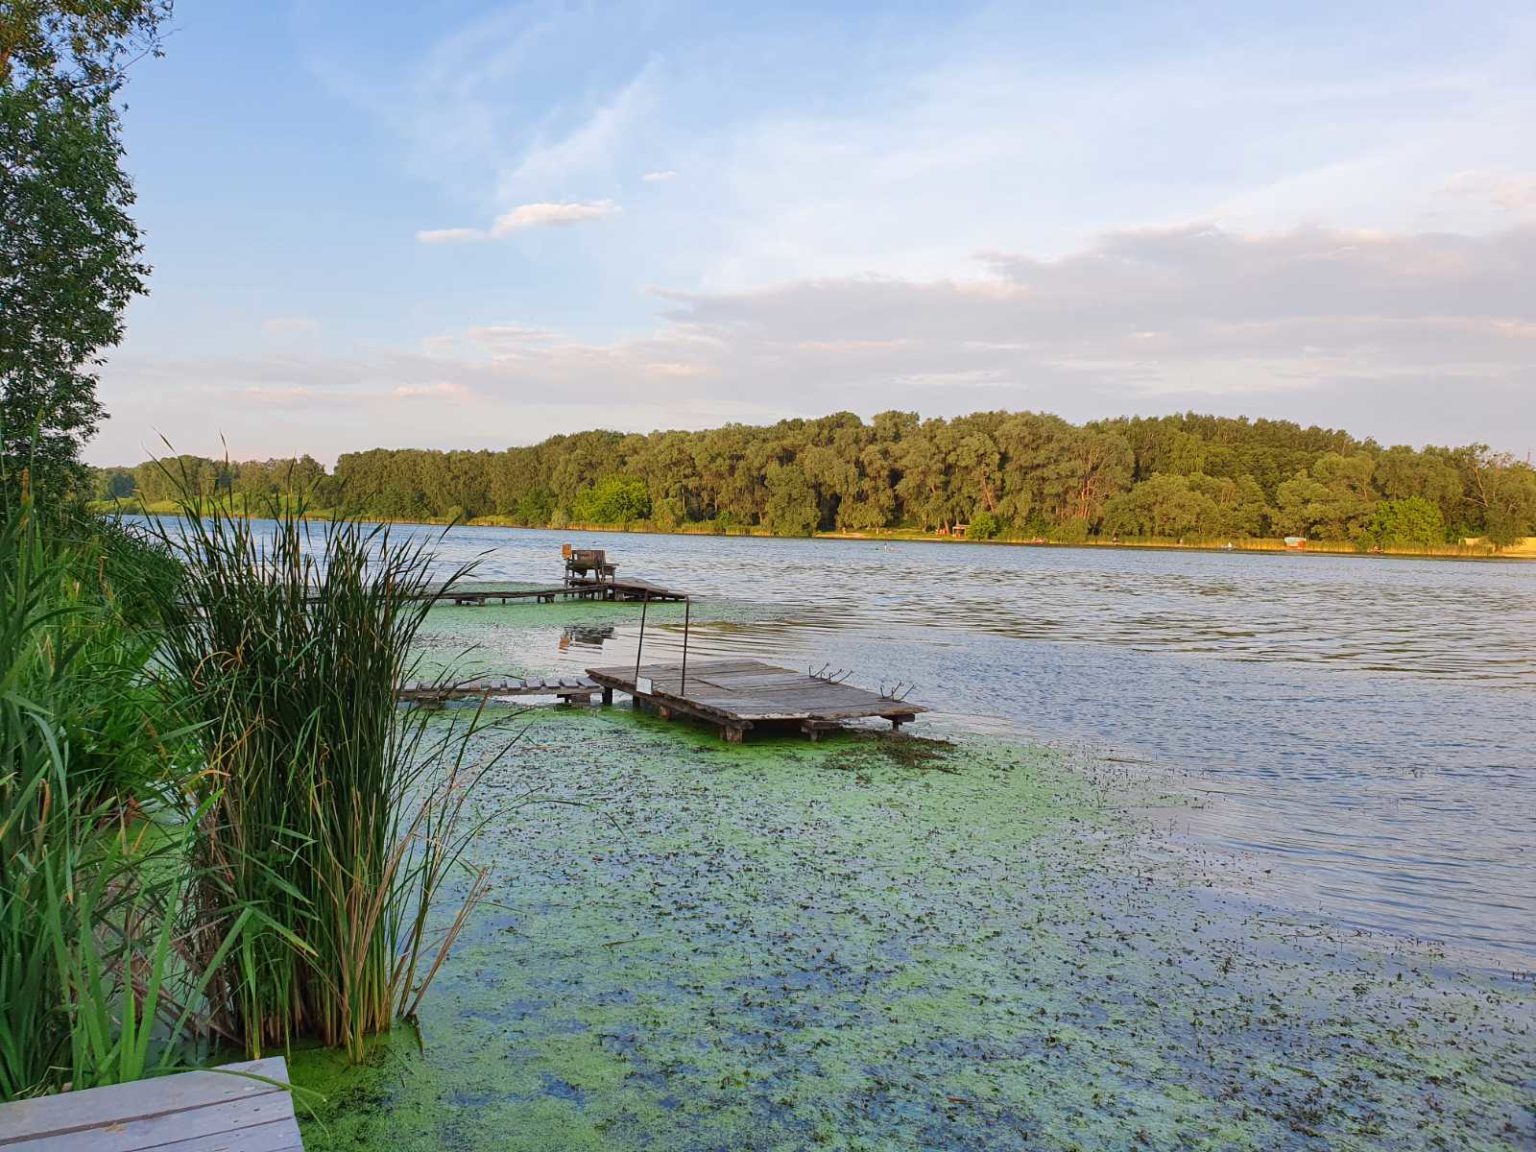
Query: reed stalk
point(95, 984)
point(334, 817)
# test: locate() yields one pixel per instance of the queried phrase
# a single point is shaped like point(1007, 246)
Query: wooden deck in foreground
point(739, 695)
point(223, 1110)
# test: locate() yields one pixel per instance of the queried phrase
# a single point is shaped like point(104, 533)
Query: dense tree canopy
point(69, 251)
point(1009, 474)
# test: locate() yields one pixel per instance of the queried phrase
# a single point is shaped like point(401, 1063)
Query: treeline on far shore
point(1004, 475)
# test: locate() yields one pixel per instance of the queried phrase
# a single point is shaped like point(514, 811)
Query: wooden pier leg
point(732, 735)
point(898, 721)
point(607, 696)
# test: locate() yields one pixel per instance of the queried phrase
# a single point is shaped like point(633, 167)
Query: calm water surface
point(1364, 729)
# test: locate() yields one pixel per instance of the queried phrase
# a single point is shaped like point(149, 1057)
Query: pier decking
point(569, 689)
point(627, 591)
point(739, 695)
point(228, 1110)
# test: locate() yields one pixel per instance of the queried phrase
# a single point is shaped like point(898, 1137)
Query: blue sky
point(464, 224)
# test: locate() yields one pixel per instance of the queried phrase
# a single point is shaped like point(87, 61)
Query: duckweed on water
point(885, 942)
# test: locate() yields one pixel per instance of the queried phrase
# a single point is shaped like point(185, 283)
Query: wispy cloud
point(500, 337)
point(450, 235)
point(659, 177)
point(442, 389)
point(524, 216)
point(1411, 337)
point(1512, 192)
point(545, 214)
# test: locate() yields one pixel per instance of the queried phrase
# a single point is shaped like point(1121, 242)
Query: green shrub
point(616, 500)
point(1412, 522)
point(984, 526)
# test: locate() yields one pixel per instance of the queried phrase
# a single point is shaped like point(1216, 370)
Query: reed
point(95, 984)
point(332, 816)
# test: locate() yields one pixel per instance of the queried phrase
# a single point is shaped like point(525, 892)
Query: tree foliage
point(614, 500)
point(69, 250)
point(1018, 474)
point(1412, 522)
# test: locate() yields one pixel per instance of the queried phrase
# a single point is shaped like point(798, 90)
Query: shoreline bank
point(1524, 550)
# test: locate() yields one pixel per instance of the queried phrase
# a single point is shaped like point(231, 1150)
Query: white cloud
point(522, 217)
point(1410, 337)
point(450, 389)
point(544, 214)
point(450, 235)
point(659, 177)
point(1511, 192)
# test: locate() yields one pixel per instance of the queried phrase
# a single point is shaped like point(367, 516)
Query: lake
point(1360, 729)
point(1220, 851)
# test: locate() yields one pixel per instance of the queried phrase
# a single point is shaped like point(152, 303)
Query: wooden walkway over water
point(222, 1110)
point(734, 696)
point(737, 696)
point(569, 689)
point(627, 591)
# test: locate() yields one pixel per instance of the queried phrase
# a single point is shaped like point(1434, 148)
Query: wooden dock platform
point(226, 1109)
point(570, 689)
point(626, 591)
point(737, 696)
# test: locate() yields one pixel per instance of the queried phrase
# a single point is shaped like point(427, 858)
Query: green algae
point(877, 942)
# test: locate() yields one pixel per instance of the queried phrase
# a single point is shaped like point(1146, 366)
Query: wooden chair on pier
point(584, 565)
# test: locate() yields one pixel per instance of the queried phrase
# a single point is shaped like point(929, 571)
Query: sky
point(457, 224)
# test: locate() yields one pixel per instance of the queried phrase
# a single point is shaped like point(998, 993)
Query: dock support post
point(732, 735)
point(640, 644)
point(687, 615)
point(608, 696)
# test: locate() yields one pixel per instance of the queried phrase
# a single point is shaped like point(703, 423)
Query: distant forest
point(1003, 474)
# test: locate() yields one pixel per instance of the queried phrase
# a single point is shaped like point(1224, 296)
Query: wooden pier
point(737, 696)
point(239, 1108)
point(569, 689)
point(626, 591)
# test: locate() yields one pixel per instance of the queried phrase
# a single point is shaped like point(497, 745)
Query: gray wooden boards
point(568, 689)
point(741, 694)
point(237, 1108)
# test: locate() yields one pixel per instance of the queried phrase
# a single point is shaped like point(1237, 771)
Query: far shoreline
point(1524, 550)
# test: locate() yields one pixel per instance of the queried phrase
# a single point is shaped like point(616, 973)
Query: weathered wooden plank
point(184, 1124)
point(744, 690)
point(62, 1118)
point(277, 1136)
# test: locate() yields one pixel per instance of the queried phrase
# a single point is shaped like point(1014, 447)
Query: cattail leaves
point(335, 817)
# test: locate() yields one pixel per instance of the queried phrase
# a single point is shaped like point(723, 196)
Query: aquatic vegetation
point(331, 817)
point(94, 985)
point(878, 942)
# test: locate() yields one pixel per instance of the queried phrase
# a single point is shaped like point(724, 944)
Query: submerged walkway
point(238, 1108)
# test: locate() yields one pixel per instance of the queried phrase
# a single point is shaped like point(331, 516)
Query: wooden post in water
point(640, 647)
point(687, 615)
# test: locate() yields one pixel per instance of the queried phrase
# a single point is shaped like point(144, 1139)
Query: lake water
point(1361, 729)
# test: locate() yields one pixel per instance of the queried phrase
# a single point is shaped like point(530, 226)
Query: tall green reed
point(333, 814)
point(96, 986)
